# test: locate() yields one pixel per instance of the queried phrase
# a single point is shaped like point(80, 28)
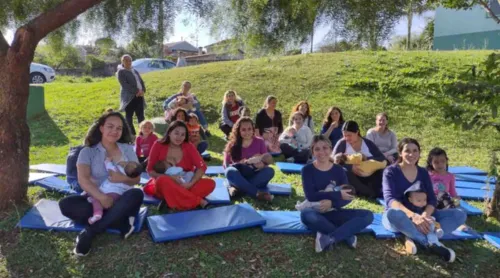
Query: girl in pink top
point(442, 180)
point(145, 140)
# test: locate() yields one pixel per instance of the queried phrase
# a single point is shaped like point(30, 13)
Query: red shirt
point(191, 158)
point(143, 145)
point(233, 113)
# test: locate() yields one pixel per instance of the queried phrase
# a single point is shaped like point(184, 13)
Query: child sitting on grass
point(196, 133)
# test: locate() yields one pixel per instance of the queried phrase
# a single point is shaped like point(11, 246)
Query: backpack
point(71, 171)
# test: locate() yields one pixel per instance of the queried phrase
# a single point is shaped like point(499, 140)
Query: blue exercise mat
point(46, 215)
point(220, 195)
point(214, 170)
point(476, 178)
point(34, 177)
point(56, 184)
point(290, 168)
point(51, 168)
point(466, 170)
point(378, 229)
point(282, 189)
point(468, 208)
point(493, 238)
point(287, 222)
point(203, 222)
point(473, 194)
point(275, 154)
point(472, 185)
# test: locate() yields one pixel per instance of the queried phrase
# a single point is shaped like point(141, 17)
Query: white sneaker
point(410, 247)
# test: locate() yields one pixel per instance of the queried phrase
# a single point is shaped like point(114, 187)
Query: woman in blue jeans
point(246, 161)
point(331, 223)
point(402, 216)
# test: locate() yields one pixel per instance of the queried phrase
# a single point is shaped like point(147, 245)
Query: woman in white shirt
point(384, 138)
point(296, 140)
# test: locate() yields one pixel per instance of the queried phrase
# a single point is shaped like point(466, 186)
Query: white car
point(41, 73)
point(148, 64)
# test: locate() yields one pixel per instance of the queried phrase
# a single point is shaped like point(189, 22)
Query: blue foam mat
point(282, 189)
point(203, 222)
point(468, 208)
point(476, 178)
point(46, 215)
point(493, 238)
point(214, 170)
point(56, 184)
point(275, 154)
point(290, 168)
point(51, 168)
point(472, 185)
point(34, 177)
point(466, 170)
point(220, 195)
point(473, 194)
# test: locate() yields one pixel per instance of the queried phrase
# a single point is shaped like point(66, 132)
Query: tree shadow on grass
point(45, 132)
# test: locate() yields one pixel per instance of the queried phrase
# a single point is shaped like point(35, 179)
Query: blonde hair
point(143, 123)
point(236, 97)
point(383, 114)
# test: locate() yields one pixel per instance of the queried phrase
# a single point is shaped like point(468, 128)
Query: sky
point(188, 28)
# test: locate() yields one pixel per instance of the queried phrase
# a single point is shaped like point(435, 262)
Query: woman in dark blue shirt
point(332, 125)
point(402, 216)
point(331, 223)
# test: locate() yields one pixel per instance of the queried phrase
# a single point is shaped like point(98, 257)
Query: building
point(217, 52)
point(467, 29)
point(174, 48)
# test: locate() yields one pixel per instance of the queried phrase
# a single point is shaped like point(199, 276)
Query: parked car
point(41, 73)
point(148, 64)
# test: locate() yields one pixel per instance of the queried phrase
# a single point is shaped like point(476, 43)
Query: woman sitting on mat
point(179, 114)
point(305, 109)
point(296, 140)
point(404, 217)
point(332, 223)
point(384, 138)
point(367, 185)
point(175, 146)
point(269, 124)
point(246, 161)
point(109, 137)
point(231, 104)
point(332, 125)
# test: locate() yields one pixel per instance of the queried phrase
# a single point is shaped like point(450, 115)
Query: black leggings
point(78, 209)
point(135, 106)
point(370, 187)
point(226, 129)
point(299, 156)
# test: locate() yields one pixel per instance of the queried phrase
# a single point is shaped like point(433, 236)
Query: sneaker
point(442, 251)
point(322, 242)
point(83, 244)
point(290, 159)
point(439, 233)
point(265, 196)
point(233, 191)
point(129, 228)
point(352, 241)
point(410, 247)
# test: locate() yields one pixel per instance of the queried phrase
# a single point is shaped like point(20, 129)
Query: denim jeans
point(201, 117)
point(396, 220)
point(202, 146)
point(250, 185)
point(340, 224)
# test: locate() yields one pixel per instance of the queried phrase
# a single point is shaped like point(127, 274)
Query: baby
point(368, 167)
point(329, 188)
point(131, 169)
point(418, 198)
point(247, 167)
point(290, 137)
point(179, 102)
point(168, 168)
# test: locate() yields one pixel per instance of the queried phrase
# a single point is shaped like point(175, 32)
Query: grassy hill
point(360, 83)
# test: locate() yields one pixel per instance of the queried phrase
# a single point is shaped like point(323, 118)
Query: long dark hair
point(328, 119)
point(235, 144)
point(179, 110)
point(298, 105)
point(433, 153)
point(351, 126)
point(94, 135)
point(401, 145)
point(166, 138)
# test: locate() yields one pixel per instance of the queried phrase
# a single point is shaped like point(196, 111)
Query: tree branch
point(4, 45)
point(488, 9)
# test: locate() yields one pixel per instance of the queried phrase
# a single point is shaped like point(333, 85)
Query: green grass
point(348, 80)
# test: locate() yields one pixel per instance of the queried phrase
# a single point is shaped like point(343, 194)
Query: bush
point(93, 62)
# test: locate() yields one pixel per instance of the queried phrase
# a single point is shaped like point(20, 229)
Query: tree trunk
point(14, 131)
point(410, 21)
point(493, 207)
